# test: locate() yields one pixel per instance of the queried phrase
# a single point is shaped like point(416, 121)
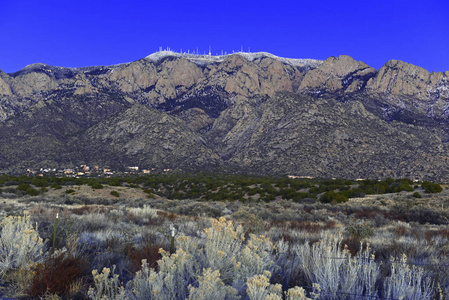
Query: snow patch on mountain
point(210, 59)
point(289, 61)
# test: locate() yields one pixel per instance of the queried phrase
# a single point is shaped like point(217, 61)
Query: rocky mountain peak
point(35, 66)
point(340, 74)
point(342, 65)
point(409, 87)
point(398, 77)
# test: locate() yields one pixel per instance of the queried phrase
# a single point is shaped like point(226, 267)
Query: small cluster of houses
point(87, 171)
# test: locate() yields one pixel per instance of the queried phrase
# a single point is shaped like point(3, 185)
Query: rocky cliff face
point(245, 112)
point(412, 88)
point(337, 75)
point(5, 89)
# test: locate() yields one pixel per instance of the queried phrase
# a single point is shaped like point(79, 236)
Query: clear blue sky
point(89, 32)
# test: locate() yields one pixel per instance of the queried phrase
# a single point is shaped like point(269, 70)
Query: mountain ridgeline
point(251, 113)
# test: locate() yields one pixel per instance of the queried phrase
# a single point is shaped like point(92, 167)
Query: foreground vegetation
point(235, 238)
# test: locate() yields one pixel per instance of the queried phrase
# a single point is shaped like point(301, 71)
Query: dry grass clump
point(312, 227)
point(401, 230)
point(444, 233)
point(149, 252)
point(59, 274)
point(90, 209)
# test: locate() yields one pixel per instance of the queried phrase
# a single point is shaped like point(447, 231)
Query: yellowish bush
point(223, 245)
point(259, 288)
point(226, 251)
point(107, 285)
point(211, 287)
point(221, 266)
point(172, 280)
point(296, 293)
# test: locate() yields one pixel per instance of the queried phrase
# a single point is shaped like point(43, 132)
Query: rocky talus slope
point(245, 112)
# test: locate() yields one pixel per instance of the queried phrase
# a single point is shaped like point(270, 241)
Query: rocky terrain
point(246, 113)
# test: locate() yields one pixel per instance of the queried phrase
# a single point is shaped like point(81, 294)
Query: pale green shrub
point(143, 286)
point(340, 274)
point(223, 246)
point(255, 258)
point(407, 281)
point(175, 274)
point(335, 271)
point(171, 282)
point(225, 250)
point(361, 231)
point(20, 243)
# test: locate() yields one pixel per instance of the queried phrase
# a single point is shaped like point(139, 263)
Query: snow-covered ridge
point(209, 59)
point(50, 68)
point(196, 58)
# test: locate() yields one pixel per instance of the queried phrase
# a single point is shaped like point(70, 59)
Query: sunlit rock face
point(412, 88)
point(337, 75)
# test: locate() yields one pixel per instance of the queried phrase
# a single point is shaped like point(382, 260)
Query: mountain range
point(249, 113)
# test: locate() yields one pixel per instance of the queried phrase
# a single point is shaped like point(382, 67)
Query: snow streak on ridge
point(209, 59)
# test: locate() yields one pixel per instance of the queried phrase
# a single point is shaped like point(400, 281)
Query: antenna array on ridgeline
point(197, 52)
